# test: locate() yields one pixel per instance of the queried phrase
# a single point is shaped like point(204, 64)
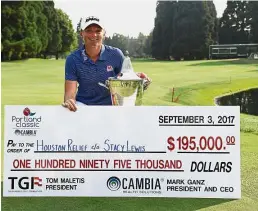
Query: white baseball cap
point(89, 21)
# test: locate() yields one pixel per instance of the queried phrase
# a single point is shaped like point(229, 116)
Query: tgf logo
point(25, 183)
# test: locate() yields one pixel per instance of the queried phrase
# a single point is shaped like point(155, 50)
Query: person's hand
point(147, 80)
point(70, 104)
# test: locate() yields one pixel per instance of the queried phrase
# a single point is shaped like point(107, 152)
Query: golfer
point(91, 65)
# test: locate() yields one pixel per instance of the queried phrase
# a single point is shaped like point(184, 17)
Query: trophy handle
point(146, 84)
point(104, 85)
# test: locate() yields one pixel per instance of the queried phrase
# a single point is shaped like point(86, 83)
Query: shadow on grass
point(226, 62)
point(97, 203)
point(150, 60)
point(255, 70)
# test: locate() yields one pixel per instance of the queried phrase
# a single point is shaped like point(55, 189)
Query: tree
point(253, 21)
point(21, 37)
point(183, 30)
point(33, 29)
point(163, 32)
point(78, 30)
point(53, 28)
point(68, 36)
point(119, 41)
point(194, 30)
point(233, 26)
point(147, 45)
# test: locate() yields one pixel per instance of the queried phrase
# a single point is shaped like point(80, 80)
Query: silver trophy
point(127, 88)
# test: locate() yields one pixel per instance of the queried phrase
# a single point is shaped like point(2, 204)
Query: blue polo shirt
point(79, 67)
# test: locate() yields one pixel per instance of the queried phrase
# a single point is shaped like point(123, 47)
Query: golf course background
point(41, 82)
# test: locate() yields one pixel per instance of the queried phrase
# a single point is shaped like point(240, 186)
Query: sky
point(127, 17)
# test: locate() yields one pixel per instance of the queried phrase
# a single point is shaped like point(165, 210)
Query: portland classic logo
point(26, 124)
point(27, 112)
point(113, 183)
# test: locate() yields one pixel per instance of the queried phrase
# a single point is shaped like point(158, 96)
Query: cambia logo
point(25, 132)
point(113, 183)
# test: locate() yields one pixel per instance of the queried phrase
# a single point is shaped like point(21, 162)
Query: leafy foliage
point(34, 29)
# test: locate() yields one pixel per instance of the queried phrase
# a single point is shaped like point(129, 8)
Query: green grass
point(40, 82)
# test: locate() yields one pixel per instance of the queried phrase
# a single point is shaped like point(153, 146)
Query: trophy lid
point(127, 71)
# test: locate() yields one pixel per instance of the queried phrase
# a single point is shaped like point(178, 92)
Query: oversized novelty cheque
point(132, 151)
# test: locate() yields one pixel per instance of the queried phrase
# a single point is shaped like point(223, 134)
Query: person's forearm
point(70, 90)
point(69, 102)
point(68, 96)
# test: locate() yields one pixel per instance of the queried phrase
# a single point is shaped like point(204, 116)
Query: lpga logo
point(113, 183)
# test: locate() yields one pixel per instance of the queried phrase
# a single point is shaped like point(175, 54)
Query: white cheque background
point(140, 127)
